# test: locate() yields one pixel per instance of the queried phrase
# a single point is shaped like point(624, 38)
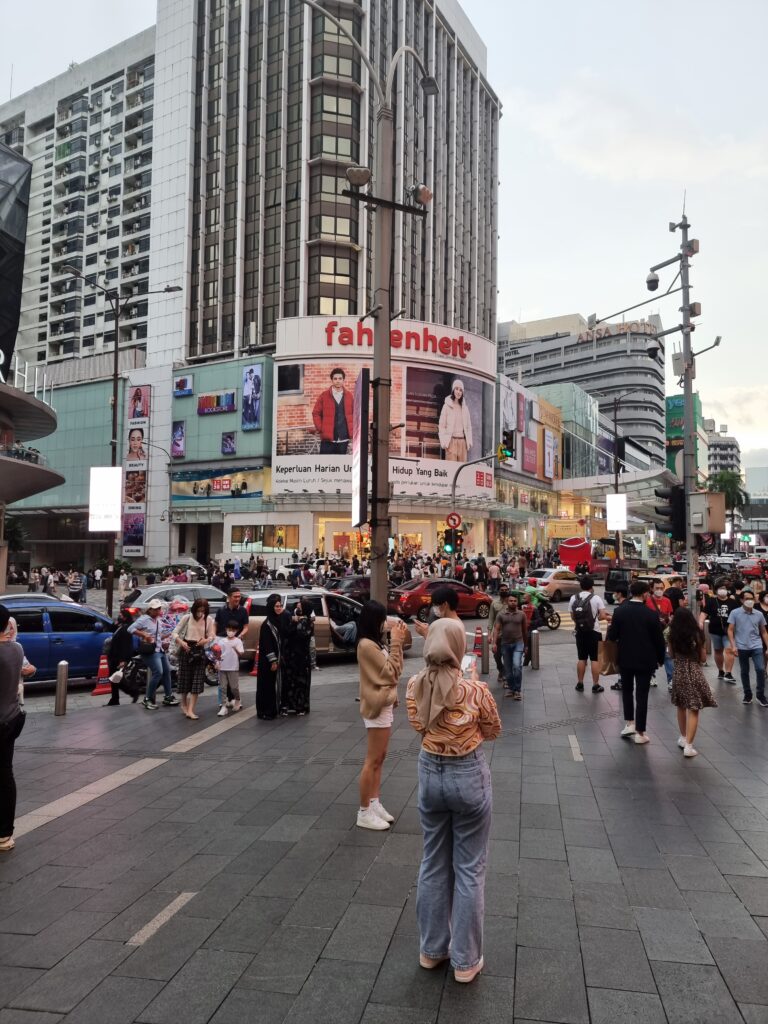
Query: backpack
point(583, 614)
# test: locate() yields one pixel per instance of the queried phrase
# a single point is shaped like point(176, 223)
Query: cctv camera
point(652, 282)
point(653, 349)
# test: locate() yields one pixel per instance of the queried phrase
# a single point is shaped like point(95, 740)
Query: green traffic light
point(448, 548)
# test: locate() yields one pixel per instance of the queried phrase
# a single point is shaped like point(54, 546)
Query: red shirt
point(661, 605)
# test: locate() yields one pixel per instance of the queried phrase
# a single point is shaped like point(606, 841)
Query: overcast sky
point(612, 112)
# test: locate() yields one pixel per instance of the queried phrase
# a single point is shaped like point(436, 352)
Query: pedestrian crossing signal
point(506, 449)
point(449, 541)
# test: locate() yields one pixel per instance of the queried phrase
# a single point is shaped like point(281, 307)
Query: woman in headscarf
point(268, 682)
point(455, 428)
point(296, 673)
point(454, 715)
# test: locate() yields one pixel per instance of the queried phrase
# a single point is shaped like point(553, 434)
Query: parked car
point(356, 587)
point(51, 631)
point(137, 600)
point(284, 572)
point(616, 576)
point(751, 568)
point(199, 572)
point(415, 598)
point(555, 583)
point(328, 608)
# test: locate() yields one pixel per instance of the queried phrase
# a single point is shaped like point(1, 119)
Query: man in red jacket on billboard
point(332, 416)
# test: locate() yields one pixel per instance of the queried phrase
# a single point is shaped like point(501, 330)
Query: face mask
point(231, 633)
point(749, 604)
point(722, 594)
point(658, 592)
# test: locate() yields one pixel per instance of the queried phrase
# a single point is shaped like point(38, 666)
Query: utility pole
point(689, 436)
point(459, 468)
point(616, 472)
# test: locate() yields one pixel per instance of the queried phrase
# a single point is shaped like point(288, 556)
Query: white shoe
point(223, 711)
point(368, 818)
point(628, 730)
point(681, 742)
point(640, 737)
point(229, 704)
point(378, 807)
point(689, 751)
point(654, 683)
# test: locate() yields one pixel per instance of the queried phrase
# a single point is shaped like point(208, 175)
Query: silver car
point(556, 584)
point(137, 600)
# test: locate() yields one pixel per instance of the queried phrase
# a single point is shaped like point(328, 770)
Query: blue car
point(51, 631)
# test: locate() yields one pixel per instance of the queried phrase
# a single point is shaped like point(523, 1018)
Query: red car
point(415, 598)
point(751, 568)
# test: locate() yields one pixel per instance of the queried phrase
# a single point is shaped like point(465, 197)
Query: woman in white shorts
point(380, 671)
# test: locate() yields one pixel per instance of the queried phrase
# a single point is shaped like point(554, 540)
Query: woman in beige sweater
point(380, 672)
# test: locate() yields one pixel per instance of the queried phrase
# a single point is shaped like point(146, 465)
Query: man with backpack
point(587, 609)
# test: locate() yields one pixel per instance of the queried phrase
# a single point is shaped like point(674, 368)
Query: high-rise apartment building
point(724, 450)
point(88, 134)
point(621, 361)
point(210, 152)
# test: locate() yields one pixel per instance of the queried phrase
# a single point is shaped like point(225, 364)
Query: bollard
point(707, 638)
point(535, 648)
point(484, 659)
point(62, 677)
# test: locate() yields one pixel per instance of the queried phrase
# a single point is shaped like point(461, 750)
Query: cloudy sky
point(612, 114)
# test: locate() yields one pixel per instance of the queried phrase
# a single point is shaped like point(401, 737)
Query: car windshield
point(539, 574)
point(134, 595)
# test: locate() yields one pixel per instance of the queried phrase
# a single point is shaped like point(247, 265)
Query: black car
point(356, 587)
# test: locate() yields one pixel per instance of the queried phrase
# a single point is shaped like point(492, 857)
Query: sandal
point(7, 843)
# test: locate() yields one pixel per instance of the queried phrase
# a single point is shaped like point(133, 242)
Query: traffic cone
point(103, 684)
point(478, 645)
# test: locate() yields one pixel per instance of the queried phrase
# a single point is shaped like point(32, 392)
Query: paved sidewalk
point(227, 883)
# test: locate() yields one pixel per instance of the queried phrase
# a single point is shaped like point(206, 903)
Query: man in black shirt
point(232, 612)
point(715, 610)
point(675, 592)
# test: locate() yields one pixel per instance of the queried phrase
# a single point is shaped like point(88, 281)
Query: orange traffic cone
point(478, 645)
point(103, 684)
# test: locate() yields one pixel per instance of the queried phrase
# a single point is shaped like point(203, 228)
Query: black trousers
point(9, 733)
point(631, 680)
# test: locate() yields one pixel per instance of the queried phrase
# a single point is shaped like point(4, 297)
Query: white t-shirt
point(598, 604)
point(231, 649)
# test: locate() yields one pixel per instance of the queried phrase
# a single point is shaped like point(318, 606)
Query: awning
point(639, 488)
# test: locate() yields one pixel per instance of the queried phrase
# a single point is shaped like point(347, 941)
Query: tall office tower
point(724, 450)
point(88, 135)
point(261, 107)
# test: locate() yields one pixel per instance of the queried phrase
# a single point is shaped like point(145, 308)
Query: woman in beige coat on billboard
point(455, 428)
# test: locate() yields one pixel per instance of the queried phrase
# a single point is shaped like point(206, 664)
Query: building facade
point(724, 450)
point(610, 361)
point(675, 420)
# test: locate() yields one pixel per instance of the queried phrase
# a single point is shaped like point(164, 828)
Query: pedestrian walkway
point(226, 882)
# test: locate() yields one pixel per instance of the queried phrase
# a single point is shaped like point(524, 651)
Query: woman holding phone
point(380, 671)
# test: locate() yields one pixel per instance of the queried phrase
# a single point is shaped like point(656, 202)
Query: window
point(334, 108)
point(71, 621)
point(290, 379)
point(327, 186)
point(335, 146)
point(29, 621)
point(332, 227)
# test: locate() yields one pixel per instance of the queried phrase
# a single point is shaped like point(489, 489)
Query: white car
point(284, 572)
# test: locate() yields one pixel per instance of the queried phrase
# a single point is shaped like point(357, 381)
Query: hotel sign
point(611, 330)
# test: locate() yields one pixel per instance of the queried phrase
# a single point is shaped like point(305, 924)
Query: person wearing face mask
point(445, 601)
point(748, 635)
point(660, 604)
point(763, 605)
point(229, 665)
point(715, 609)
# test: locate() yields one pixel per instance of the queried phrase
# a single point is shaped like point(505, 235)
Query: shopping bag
point(607, 655)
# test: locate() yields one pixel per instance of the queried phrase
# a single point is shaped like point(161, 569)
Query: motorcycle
point(544, 607)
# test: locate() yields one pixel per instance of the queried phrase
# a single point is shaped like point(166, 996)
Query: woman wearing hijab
point(268, 682)
point(296, 673)
point(380, 671)
point(455, 428)
point(454, 715)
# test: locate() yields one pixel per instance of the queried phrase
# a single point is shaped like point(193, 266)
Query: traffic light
point(449, 541)
point(506, 449)
point(674, 512)
point(459, 540)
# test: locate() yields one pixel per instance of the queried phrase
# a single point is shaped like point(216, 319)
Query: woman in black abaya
point(296, 671)
point(268, 682)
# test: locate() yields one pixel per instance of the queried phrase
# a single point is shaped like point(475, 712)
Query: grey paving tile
point(29, 1017)
point(194, 875)
point(363, 933)
point(289, 828)
point(14, 980)
point(238, 1007)
point(380, 1013)
point(602, 906)
point(582, 807)
point(117, 1000)
point(542, 844)
point(694, 994)
point(547, 924)
point(578, 832)
point(503, 826)
point(696, 873)
point(736, 859)
point(651, 888)
point(287, 960)
point(53, 943)
point(503, 856)
point(752, 1014)
point(671, 935)
point(615, 959)
point(712, 830)
point(742, 964)
point(486, 1003)
point(193, 995)
point(385, 885)
point(218, 899)
point(316, 911)
point(163, 954)
point(550, 986)
point(69, 982)
point(539, 793)
point(258, 859)
point(501, 895)
point(499, 945)
point(590, 865)
point(335, 993)
point(401, 976)
point(249, 925)
point(546, 878)
point(349, 862)
point(636, 851)
point(722, 915)
point(538, 815)
point(608, 1006)
point(677, 840)
point(39, 914)
point(753, 892)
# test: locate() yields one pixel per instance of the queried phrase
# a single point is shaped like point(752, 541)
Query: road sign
point(453, 519)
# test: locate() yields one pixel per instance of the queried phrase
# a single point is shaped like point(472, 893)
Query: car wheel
point(557, 596)
point(553, 620)
point(422, 614)
point(483, 610)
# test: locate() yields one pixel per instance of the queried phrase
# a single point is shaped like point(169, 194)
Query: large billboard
point(138, 415)
point(536, 428)
point(442, 406)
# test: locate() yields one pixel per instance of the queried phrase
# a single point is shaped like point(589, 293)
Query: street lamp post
point(382, 300)
point(118, 308)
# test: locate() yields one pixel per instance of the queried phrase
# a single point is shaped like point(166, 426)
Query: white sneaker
point(223, 711)
point(229, 705)
point(654, 683)
point(368, 818)
point(380, 809)
point(628, 730)
point(681, 742)
point(640, 737)
point(689, 751)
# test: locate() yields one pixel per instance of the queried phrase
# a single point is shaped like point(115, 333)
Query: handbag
point(607, 656)
point(147, 647)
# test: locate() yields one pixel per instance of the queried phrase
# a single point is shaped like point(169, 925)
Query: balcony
point(23, 453)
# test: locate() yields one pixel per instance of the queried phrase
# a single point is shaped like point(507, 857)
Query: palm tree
point(728, 482)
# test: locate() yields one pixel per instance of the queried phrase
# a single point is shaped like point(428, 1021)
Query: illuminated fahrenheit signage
point(421, 340)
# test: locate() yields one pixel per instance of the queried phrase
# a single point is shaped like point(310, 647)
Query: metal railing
point(23, 454)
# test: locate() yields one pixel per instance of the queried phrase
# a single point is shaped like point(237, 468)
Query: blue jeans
point(159, 668)
point(512, 660)
point(455, 811)
point(758, 659)
point(669, 666)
